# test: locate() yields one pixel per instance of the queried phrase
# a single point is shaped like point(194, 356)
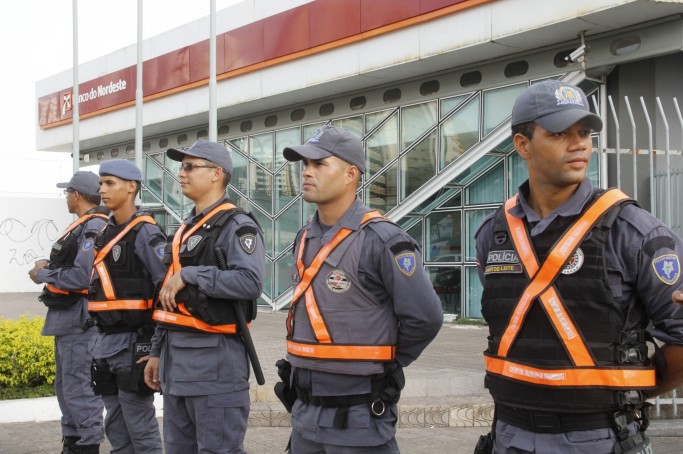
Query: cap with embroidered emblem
point(83, 182)
point(204, 149)
point(330, 141)
point(121, 168)
point(555, 106)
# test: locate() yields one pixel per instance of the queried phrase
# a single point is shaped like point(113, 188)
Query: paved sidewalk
point(444, 407)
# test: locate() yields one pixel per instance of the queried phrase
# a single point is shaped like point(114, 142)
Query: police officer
point(128, 265)
point(572, 277)
point(363, 308)
point(215, 268)
point(66, 277)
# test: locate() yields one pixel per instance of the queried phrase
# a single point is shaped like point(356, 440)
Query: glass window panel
point(284, 139)
point(594, 168)
point(309, 130)
point(455, 201)
point(416, 120)
point(240, 144)
point(490, 188)
point(443, 237)
point(474, 171)
point(473, 293)
point(381, 147)
point(261, 149)
point(287, 183)
point(172, 166)
point(353, 124)
point(158, 157)
point(284, 268)
point(238, 199)
point(517, 172)
point(415, 231)
point(286, 228)
point(268, 278)
point(473, 220)
point(261, 187)
point(418, 165)
point(375, 118)
point(447, 281)
point(173, 196)
point(239, 177)
point(147, 196)
point(460, 132)
point(267, 226)
point(498, 105)
point(448, 104)
point(153, 177)
point(382, 193)
point(309, 210)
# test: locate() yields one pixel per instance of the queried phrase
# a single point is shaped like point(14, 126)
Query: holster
point(283, 390)
point(103, 382)
point(485, 444)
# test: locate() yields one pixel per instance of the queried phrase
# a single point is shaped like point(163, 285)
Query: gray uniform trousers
point(81, 409)
point(302, 445)
point(513, 440)
point(130, 424)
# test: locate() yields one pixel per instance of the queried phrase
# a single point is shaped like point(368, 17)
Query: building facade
point(428, 84)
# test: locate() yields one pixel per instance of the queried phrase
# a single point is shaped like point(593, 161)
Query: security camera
point(577, 55)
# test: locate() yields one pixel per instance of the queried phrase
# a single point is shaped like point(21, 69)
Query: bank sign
point(107, 91)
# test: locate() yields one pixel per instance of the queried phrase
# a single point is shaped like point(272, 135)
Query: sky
point(36, 40)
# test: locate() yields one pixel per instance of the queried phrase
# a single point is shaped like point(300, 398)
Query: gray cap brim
point(298, 152)
point(563, 119)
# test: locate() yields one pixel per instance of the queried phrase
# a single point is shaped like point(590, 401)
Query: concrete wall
point(28, 227)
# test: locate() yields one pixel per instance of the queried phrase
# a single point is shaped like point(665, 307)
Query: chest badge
point(338, 281)
point(248, 243)
point(193, 241)
point(667, 267)
point(116, 253)
point(406, 263)
point(575, 263)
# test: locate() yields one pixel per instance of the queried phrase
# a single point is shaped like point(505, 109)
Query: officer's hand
point(169, 291)
point(39, 265)
point(677, 297)
point(152, 374)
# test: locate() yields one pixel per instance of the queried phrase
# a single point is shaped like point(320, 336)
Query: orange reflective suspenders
point(99, 267)
point(184, 318)
point(585, 372)
point(325, 348)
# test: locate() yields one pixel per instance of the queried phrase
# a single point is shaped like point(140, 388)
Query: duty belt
point(554, 423)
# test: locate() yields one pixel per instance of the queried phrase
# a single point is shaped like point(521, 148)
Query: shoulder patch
point(667, 268)
point(402, 246)
point(159, 250)
point(406, 263)
point(659, 242)
point(88, 244)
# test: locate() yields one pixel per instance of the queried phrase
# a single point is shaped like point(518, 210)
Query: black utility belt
point(377, 405)
point(554, 423)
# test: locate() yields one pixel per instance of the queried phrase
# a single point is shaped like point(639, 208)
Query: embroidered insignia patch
point(248, 242)
point(568, 95)
point(193, 241)
point(406, 263)
point(502, 257)
point(87, 245)
point(575, 262)
point(515, 268)
point(116, 252)
point(159, 250)
point(667, 268)
point(338, 281)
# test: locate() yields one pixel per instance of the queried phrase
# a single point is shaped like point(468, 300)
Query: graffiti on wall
point(28, 241)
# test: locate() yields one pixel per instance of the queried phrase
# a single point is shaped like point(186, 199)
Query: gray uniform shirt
point(149, 246)
point(193, 363)
point(642, 257)
point(72, 320)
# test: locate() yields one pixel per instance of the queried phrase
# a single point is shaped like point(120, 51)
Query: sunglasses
point(68, 191)
point(189, 167)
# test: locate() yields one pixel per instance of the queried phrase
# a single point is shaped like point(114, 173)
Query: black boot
point(88, 449)
point(69, 444)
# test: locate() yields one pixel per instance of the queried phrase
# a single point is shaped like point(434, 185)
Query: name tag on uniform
point(143, 348)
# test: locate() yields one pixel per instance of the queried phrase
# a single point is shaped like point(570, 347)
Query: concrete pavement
point(444, 407)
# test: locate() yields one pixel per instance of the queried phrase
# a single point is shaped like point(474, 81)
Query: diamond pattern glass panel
point(286, 227)
point(287, 184)
point(517, 172)
point(416, 120)
point(381, 147)
point(490, 188)
point(353, 124)
point(239, 177)
point(284, 267)
point(309, 210)
point(261, 149)
point(268, 278)
point(443, 237)
point(498, 105)
point(238, 199)
point(267, 226)
point(309, 130)
point(239, 143)
point(153, 177)
point(374, 118)
point(460, 132)
point(283, 139)
point(261, 187)
point(473, 219)
point(173, 195)
point(448, 104)
point(418, 165)
point(473, 293)
point(382, 193)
